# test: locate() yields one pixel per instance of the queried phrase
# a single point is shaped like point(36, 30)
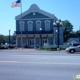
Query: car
point(74, 44)
point(73, 49)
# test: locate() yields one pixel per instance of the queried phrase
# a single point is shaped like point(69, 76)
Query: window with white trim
point(22, 28)
point(47, 25)
point(30, 25)
point(38, 25)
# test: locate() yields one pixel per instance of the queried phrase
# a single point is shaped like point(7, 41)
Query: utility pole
point(79, 33)
point(9, 38)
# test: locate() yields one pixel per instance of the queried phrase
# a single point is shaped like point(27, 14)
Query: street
point(38, 65)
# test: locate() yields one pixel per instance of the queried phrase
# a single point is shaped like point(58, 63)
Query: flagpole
point(21, 26)
point(79, 34)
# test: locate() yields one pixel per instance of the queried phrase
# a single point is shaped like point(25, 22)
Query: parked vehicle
point(74, 44)
point(5, 46)
point(73, 49)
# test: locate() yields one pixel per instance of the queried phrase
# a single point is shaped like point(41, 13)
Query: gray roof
point(35, 8)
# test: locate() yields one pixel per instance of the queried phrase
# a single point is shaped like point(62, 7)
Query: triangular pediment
point(34, 9)
point(34, 15)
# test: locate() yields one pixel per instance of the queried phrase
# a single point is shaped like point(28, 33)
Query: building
point(74, 38)
point(35, 27)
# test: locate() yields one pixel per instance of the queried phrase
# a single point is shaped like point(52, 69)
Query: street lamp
point(40, 35)
point(58, 24)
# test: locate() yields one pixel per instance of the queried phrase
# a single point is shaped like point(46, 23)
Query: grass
point(51, 49)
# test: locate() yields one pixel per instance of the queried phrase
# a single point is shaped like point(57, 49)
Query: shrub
point(62, 48)
point(12, 46)
point(53, 48)
point(41, 48)
point(2, 47)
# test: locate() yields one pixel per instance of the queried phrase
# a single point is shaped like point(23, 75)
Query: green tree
point(73, 32)
point(2, 40)
point(68, 28)
point(78, 31)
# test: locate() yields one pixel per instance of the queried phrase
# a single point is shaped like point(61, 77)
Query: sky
point(62, 9)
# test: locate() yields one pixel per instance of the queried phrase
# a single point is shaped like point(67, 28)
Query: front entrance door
point(19, 42)
point(31, 42)
point(44, 41)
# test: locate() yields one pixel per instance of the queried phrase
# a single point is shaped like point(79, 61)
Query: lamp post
point(9, 38)
point(58, 24)
point(40, 35)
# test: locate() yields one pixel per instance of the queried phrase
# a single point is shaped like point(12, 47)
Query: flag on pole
point(16, 3)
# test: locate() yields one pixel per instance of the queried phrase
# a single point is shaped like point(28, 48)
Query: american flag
point(16, 4)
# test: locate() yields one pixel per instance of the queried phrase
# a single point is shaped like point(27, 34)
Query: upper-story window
point(38, 25)
point(22, 23)
point(47, 25)
point(30, 25)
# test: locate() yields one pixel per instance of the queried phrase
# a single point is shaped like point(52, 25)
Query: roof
point(35, 8)
point(74, 35)
point(74, 41)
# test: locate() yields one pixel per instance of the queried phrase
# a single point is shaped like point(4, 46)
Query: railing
point(34, 32)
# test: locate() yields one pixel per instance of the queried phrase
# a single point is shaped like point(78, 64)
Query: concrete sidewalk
point(33, 50)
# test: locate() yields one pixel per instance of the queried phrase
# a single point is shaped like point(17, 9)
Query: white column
point(34, 42)
point(27, 41)
point(48, 40)
point(53, 40)
point(16, 42)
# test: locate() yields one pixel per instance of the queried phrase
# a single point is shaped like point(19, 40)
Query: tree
point(78, 31)
point(68, 28)
point(73, 32)
point(2, 40)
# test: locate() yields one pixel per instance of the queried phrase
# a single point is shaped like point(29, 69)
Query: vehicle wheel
point(72, 51)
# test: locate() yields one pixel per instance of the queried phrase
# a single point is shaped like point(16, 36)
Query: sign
point(77, 76)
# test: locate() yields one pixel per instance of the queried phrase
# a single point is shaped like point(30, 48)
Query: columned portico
point(34, 40)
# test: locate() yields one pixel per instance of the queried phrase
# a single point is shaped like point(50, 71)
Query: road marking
point(57, 63)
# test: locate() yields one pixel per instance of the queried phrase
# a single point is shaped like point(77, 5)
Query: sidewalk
point(29, 49)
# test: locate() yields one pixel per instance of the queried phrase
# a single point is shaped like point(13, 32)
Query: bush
point(50, 49)
point(62, 48)
point(53, 49)
point(12, 47)
point(2, 47)
point(41, 48)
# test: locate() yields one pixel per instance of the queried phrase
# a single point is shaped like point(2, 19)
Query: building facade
point(35, 27)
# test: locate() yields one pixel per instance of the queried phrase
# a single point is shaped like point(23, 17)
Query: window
point(30, 26)
point(22, 25)
point(47, 25)
point(38, 25)
point(34, 13)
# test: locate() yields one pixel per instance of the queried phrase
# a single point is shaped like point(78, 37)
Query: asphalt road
point(38, 65)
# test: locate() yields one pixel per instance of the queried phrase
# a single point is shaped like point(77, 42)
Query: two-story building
point(35, 27)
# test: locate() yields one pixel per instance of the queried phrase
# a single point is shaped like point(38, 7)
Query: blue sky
point(62, 9)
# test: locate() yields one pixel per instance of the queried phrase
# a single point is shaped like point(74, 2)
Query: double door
point(31, 41)
point(44, 41)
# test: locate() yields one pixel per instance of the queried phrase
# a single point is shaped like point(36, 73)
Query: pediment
point(35, 12)
point(34, 15)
